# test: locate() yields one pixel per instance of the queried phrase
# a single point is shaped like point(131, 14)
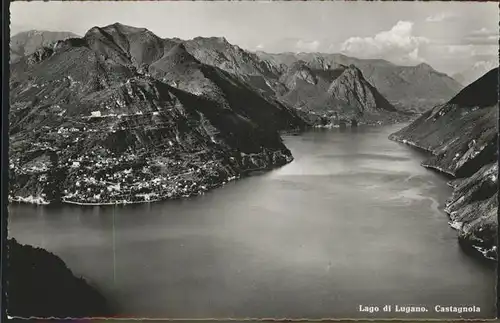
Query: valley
point(350, 164)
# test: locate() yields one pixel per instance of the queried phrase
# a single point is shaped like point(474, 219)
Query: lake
point(353, 220)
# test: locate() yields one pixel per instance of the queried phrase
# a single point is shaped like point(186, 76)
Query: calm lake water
point(353, 220)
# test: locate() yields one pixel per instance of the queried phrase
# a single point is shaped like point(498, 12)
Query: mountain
point(217, 51)
point(40, 285)
point(27, 42)
point(356, 93)
point(335, 94)
point(173, 64)
point(462, 137)
point(304, 88)
point(242, 64)
point(132, 101)
point(122, 116)
point(409, 88)
point(265, 75)
point(474, 72)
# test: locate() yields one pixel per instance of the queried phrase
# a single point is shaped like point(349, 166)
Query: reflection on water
point(354, 219)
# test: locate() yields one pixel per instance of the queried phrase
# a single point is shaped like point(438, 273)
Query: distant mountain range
point(27, 42)
point(408, 88)
point(123, 116)
point(341, 93)
point(462, 136)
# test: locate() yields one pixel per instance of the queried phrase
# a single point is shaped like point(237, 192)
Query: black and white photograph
point(257, 160)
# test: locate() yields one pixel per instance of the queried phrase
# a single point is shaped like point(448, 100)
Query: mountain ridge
point(204, 96)
point(462, 137)
point(263, 70)
point(399, 84)
point(90, 125)
point(27, 42)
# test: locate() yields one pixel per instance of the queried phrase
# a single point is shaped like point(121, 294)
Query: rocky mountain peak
point(96, 30)
point(39, 55)
point(356, 92)
point(299, 65)
point(132, 33)
point(211, 43)
point(136, 46)
point(220, 40)
point(118, 31)
point(352, 71)
point(298, 71)
point(124, 28)
point(425, 66)
point(27, 42)
point(179, 54)
point(350, 78)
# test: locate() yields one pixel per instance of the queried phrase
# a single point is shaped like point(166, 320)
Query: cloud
point(441, 17)
point(483, 31)
point(464, 52)
point(398, 45)
point(259, 46)
point(482, 36)
point(486, 65)
point(307, 46)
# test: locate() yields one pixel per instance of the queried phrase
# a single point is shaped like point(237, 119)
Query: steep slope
point(130, 46)
point(462, 137)
point(40, 285)
point(170, 61)
point(337, 95)
point(27, 42)
point(89, 124)
point(409, 88)
point(474, 72)
point(180, 69)
point(303, 86)
point(352, 88)
point(246, 66)
point(217, 51)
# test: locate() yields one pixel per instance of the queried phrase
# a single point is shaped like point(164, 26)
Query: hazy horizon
point(451, 37)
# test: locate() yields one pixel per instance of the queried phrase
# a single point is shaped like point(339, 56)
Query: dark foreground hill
point(121, 116)
point(40, 285)
point(462, 136)
point(474, 72)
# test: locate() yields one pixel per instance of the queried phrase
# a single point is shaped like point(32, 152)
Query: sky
point(450, 36)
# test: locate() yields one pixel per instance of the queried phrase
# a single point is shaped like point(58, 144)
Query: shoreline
point(40, 202)
point(423, 149)
point(468, 248)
